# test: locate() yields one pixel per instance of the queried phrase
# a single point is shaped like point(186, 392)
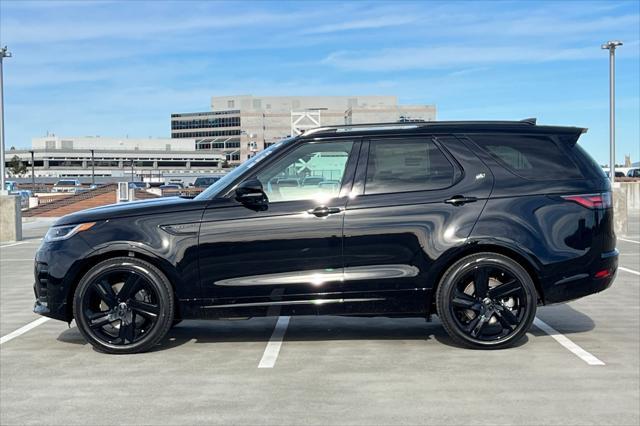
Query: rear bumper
point(582, 284)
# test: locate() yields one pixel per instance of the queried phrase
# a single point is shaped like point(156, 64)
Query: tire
point(123, 305)
point(497, 312)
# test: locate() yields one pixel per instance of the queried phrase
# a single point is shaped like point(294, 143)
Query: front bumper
point(56, 269)
point(44, 300)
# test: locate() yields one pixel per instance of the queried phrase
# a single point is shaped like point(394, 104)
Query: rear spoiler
point(572, 138)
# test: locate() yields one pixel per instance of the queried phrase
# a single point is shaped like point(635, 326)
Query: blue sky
point(121, 68)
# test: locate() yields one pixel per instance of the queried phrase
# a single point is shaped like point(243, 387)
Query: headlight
point(57, 233)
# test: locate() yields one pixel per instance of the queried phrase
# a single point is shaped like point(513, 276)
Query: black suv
point(477, 222)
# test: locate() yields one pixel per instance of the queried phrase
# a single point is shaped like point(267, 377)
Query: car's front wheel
point(486, 301)
point(123, 305)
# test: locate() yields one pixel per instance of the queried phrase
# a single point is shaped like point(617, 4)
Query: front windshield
point(223, 182)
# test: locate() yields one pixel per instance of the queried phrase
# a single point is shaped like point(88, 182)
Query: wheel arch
point(449, 258)
point(84, 265)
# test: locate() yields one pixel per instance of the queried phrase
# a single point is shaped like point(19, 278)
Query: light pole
point(93, 170)
point(33, 171)
point(611, 46)
point(4, 53)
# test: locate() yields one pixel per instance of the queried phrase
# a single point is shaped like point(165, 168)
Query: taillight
point(604, 273)
point(592, 201)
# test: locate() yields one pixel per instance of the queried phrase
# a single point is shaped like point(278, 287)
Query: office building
point(239, 126)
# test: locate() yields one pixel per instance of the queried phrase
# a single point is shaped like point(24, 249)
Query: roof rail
point(410, 125)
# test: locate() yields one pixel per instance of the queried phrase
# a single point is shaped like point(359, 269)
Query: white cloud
point(455, 56)
point(96, 26)
point(361, 24)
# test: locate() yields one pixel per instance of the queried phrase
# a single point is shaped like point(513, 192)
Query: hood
point(134, 208)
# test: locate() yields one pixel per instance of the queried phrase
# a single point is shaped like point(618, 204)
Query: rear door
point(414, 198)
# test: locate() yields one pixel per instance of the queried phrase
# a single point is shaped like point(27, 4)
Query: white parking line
point(23, 330)
point(567, 343)
point(629, 241)
point(631, 271)
point(14, 244)
point(273, 347)
point(16, 260)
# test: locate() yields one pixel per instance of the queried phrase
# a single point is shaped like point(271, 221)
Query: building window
point(50, 144)
point(66, 144)
point(257, 103)
point(212, 133)
point(167, 147)
point(65, 163)
point(204, 164)
point(231, 104)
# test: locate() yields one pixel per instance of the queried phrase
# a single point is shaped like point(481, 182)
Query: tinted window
point(310, 172)
point(406, 165)
point(532, 157)
point(221, 183)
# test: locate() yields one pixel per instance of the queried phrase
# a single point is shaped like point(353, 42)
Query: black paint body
point(382, 254)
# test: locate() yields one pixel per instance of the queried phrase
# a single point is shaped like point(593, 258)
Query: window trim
point(458, 172)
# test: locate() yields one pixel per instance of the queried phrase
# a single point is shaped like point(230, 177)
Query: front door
point(290, 255)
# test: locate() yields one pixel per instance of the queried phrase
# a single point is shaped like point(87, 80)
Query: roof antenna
point(531, 121)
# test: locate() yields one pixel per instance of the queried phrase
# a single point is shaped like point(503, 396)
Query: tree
point(17, 167)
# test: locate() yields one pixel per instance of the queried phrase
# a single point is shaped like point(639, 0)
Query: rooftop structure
point(239, 126)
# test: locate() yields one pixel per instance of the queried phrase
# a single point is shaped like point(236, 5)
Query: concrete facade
point(239, 126)
point(10, 218)
point(52, 143)
point(56, 156)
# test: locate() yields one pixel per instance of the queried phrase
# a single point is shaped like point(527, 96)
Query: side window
point(532, 157)
point(397, 165)
point(314, 171)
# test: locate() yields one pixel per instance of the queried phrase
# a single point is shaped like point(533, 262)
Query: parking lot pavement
point(326, 370)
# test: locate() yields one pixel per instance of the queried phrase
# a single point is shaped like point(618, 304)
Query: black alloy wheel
point(123, 305)
point(486, 300)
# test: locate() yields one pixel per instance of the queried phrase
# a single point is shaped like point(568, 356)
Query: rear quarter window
point(532, 157)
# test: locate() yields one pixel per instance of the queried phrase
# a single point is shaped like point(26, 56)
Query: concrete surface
point(632, 190)
point(329, 370)
point(10, 218)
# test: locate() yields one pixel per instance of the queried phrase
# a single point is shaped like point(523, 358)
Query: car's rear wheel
point(486, 301)
point(123, 305)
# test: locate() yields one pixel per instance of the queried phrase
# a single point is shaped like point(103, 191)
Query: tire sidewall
point(462, 267)
point(156, 279)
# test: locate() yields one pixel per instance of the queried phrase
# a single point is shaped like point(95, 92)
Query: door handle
point(458, 200)
point(323, 211)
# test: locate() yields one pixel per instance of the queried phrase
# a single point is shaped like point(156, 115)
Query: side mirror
point(251, 194)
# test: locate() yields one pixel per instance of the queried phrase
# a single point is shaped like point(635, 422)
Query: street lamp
point(33, 171)
point(93, 170)
point(611, 46)
point(4, 53)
